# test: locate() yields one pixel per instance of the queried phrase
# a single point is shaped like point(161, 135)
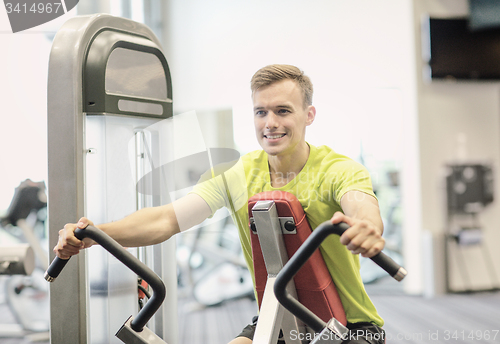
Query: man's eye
point(283, 111)
point(260, 113)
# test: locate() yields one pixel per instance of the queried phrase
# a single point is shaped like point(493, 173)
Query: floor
point(456, 318)
point(446, 319)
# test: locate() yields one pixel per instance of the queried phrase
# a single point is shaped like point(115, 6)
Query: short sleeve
point(350, 176)
point(223, 186)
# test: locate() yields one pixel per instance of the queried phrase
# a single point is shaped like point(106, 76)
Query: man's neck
point(284, 169)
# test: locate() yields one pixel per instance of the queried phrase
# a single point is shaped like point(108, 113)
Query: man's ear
point(311, 114)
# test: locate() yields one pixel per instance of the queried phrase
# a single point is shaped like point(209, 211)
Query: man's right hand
point(68, 245)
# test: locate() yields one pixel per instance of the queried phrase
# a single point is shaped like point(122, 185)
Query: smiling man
point(327, 184)
point(281, 115)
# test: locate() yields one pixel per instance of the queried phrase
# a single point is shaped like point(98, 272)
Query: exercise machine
point(15, 259)
point(109, 96)
point(280, 308)
point(29, 199)
point(134, 330)
point(309, 303)
point(222, 274)
point(112, 150)
point(331, 332)
point(26, 294)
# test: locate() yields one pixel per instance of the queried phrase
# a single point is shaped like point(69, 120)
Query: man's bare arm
point(145, 227)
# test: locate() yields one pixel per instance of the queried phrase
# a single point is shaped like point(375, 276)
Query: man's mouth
point(274, 136)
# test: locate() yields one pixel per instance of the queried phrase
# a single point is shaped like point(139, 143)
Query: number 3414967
point(33, 8)
point(471, 335)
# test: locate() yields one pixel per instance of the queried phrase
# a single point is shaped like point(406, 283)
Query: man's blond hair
point(277, 72)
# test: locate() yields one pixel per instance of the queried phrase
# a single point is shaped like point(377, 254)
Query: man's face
point(280, 117)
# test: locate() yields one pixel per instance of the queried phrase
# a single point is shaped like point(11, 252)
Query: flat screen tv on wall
point(454, 51)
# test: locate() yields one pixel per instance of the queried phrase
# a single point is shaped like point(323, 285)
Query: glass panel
point(111, 194)
point(135, 73)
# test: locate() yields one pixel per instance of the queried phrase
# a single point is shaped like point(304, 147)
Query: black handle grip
point(310, 245)
point(381, 259)
point(134, 264)
point(58, 264)
point(55, 269)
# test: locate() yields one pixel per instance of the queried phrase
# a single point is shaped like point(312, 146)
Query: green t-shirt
point(325, 178)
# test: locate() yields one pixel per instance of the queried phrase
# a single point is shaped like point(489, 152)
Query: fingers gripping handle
point(58, 264)
point(302, 255)
point(381, 259)
point(110, 245)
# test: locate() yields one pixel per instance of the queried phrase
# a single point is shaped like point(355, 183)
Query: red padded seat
point(313, 282)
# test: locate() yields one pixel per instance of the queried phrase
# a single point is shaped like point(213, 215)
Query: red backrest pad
point(314, 284)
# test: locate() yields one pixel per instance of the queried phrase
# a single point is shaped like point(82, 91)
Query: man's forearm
point(151, 226)
point(361, 206)
point(145, 227)
point(362, 214)
point(370, 212)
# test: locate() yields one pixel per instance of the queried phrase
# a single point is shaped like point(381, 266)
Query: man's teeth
point(275, 136)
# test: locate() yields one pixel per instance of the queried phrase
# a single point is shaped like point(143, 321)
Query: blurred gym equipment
point(25, 292)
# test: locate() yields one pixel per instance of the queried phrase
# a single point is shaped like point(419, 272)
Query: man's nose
point(271, 120)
